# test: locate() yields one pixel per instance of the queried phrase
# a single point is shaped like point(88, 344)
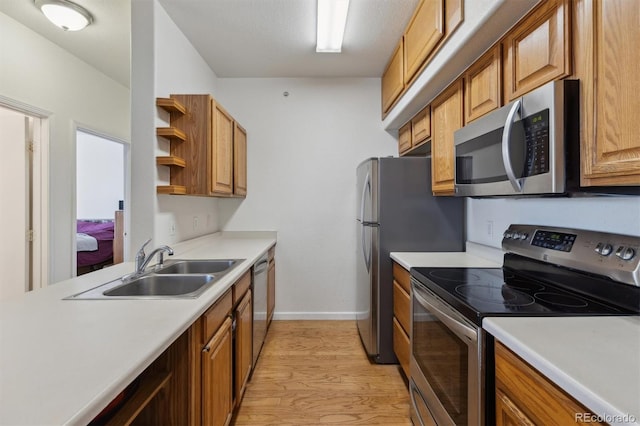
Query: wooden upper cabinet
point(538, 50)
point(404, 138)
point(483, 85)
point(239, 160)
point(421, 126)
point(607, 61)
point(221, 151)
point(393, 79)
point(424, 32)
point(446, 118)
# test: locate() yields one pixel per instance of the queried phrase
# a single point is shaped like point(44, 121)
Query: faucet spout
point(142, 260)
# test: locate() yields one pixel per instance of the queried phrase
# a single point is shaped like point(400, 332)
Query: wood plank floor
point(316, 373)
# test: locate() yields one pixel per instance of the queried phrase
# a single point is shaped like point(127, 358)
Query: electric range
point(547, 271)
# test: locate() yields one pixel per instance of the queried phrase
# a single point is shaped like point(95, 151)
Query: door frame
point(40, 180)
point(126, 145)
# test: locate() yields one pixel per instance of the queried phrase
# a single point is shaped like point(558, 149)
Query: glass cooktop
point(480, 292)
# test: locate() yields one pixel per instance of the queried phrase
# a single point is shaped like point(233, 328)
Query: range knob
point(625, 253)
point(507, 235)
point(604, 249)
point(524, 236)
point(516, 235)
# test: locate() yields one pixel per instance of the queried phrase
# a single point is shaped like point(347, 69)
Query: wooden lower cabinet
point(525, 397)
point(217, 378)
point(402, 316)
point(243, 345)
point(446, 118)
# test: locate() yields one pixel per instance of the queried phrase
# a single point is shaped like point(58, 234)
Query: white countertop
point(476, 256)
point(62, 361)
point(594, 359)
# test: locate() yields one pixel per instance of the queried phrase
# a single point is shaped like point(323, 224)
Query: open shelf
point(149, 388)
point(171, 133)
point(171, 105)
point(171, 161)
point(171, 189)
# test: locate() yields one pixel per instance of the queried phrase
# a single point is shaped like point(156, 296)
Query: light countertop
point(62, 361)
point(476, 256)
point(594, 359)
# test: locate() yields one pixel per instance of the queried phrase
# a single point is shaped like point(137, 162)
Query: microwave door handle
point(506, 152)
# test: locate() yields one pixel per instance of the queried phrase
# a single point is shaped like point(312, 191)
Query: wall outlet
point(195, 223)
point(489, 228)
point(172, 228)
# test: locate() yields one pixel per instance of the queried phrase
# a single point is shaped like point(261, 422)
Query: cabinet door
point(401, 346)
point(421, 126)
point(483, 85)
point(244, 339)
point(271, 290)
point(446, 118)
point(423, 33)
point(221, 152)
point(239, 160)
point(404, 138)
point(393, 79)
point(524, 396)
point(607, 64)
point(538, 50)
point(217, 386)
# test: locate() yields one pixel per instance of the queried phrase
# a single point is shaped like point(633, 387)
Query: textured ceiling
point(105, 44)
point(237, 38)
point(276, 38)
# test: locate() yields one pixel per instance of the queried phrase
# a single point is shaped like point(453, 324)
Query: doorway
point(24, 212)
point(100, 195)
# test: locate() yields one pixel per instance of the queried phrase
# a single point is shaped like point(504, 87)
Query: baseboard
point(314, 316)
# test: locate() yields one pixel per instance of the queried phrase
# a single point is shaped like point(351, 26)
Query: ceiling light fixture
point(332, 18)
point(65, 14)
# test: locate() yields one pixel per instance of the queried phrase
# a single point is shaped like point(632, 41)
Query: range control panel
point(612, 255)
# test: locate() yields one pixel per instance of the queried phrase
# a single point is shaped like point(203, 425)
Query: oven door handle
point(438, 310)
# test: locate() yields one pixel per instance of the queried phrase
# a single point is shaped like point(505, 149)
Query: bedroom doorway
point(23, 191)
point(100, 195)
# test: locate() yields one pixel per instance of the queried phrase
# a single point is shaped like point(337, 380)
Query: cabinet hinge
point(31, 147)
point(30, 235)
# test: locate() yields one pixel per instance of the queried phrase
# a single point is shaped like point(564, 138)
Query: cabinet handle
point(226, 324)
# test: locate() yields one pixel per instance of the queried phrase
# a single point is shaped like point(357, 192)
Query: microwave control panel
point(536, 134)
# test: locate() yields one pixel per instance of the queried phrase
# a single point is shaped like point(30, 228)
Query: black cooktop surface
point(480, 292)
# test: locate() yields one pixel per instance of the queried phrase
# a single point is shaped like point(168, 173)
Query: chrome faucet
point(142, 260)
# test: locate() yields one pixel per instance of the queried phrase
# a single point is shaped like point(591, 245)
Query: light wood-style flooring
point(316, 373)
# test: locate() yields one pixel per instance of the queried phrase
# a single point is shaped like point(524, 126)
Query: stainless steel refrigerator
point(396, 212)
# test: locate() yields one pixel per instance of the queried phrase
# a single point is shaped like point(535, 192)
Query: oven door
point(446, 363)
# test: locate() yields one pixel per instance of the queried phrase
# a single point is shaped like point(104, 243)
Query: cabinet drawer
point(216, 315)
point(402, 306)
point(401, 346)
point(402, 276)
point(241, 286)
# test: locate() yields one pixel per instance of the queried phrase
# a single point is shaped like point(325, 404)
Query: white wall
point(302, 156)
point(609, 214)
point(99, 176)
point(40, 74)
point(164, 62)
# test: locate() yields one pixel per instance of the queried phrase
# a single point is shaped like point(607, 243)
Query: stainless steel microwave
point(523, 148)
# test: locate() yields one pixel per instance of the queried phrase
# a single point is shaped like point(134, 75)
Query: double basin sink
point(174, 279)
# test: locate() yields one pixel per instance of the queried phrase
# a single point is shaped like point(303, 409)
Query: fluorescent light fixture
point(65, 14)
point(332, 17)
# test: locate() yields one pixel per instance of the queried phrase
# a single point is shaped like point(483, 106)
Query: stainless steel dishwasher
point(260, 273)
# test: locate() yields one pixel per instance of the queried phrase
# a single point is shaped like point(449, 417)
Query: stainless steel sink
point(205, 266)
point(177, 279)
point(162, 285)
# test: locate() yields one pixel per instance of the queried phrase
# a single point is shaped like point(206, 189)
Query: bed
point(99, 243)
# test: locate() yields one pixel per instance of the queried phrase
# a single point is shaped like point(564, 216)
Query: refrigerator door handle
point(367, 257)
point(367, 183)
